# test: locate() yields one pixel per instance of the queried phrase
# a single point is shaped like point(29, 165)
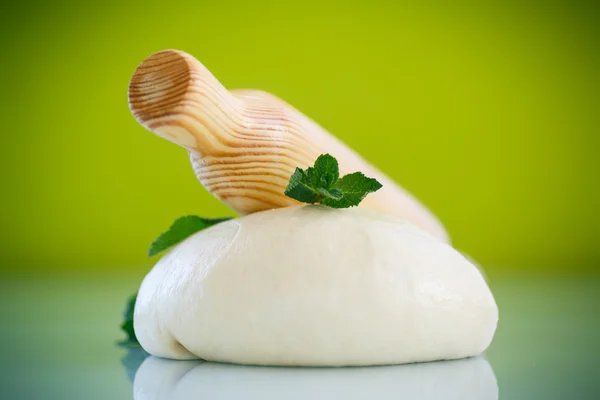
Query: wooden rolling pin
point(245, 144)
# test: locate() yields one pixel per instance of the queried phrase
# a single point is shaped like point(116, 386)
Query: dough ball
point(314, 286)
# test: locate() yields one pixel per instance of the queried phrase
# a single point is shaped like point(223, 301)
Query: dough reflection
point(160, 379)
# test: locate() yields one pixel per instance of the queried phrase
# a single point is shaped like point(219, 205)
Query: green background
point(487, 113)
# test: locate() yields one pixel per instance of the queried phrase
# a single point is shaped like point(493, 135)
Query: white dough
point(314, 286)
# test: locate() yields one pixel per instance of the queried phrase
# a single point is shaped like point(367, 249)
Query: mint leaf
point(325, 171)
point(322, 184)
point(355, 188)
point(127, 325)
point(181, 229)
point(301, 187)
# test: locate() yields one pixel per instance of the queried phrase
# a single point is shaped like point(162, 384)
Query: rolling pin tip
point(159, 84)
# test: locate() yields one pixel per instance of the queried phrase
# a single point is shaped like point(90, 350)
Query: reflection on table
point(160, 379)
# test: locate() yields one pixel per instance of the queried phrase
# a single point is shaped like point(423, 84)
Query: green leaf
point(355, 187)
point(321, 184)
point(300, 187)
point(181, 229)
point(127, 325)
point(326, 171)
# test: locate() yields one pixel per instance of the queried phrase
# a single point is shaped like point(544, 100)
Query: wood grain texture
point(245, 144)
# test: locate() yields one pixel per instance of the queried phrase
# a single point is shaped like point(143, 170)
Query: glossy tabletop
point(59, 334)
